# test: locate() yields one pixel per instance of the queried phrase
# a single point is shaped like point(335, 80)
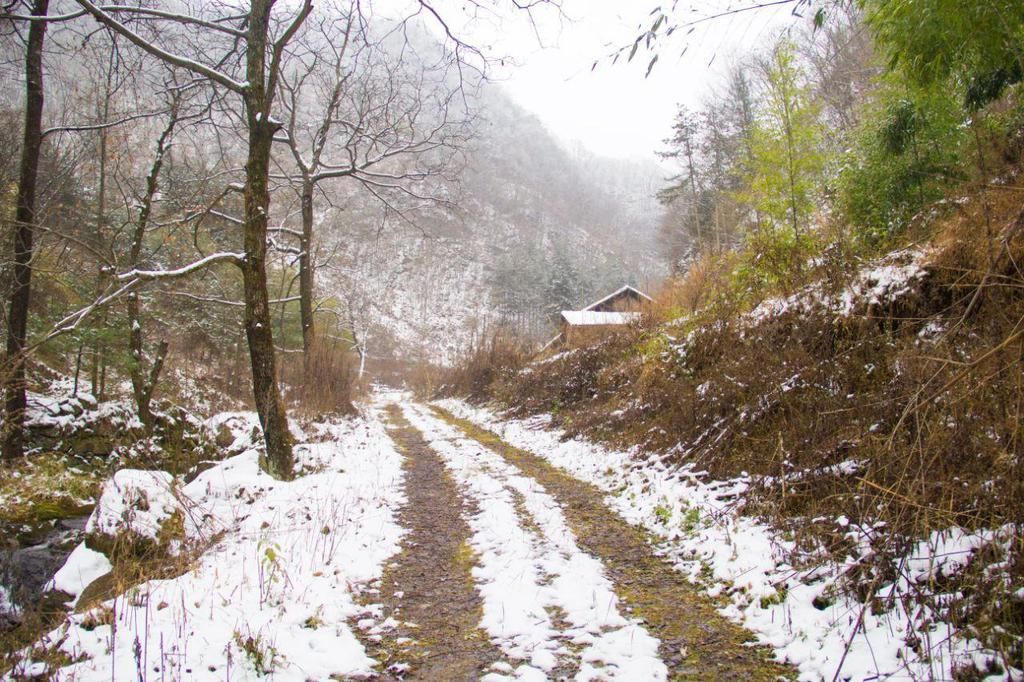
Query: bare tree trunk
point(78, 370)
point(362, 358)
point(144, 383)
point(258, 331)
point(25, 217)
point(306, 279)
point(99, 350)
point(697, 201)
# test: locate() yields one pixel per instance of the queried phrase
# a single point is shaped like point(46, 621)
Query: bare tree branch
point(171, 58)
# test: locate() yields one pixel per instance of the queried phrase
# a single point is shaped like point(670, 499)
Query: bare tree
point(144, 379)
point(355, 110)
point(262, 38)
point(365, 279)
point(242, 52)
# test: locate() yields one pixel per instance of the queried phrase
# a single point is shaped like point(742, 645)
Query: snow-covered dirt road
point(413, 546)
point(566, 589)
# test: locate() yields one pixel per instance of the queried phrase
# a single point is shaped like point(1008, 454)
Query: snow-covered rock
point(278, 575)
point(136, 502)
point(81, 568)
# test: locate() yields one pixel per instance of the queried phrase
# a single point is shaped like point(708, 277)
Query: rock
point(98, 590)
point(194, 472)
point(9, 621)
point(90, 444)
point(27, 568)
point(32, 567)
point(100, 437)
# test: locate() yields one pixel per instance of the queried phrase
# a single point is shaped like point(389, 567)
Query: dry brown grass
point(495, 359)
point(424, 378)
point(694, 291)
point(326, 382)
point(920, 400)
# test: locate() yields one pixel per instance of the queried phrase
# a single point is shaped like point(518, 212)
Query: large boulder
point(139, 513)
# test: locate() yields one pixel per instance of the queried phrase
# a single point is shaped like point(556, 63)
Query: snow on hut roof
point(616, 294)
point(580, 318)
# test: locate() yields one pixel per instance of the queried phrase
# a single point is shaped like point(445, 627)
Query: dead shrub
point(493, 359)
point(692, 292)
point(327, 381)
point(425, 379)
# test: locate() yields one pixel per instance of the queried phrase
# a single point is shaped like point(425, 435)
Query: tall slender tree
point(24, 227)
point(787, 146)
point(355, 111)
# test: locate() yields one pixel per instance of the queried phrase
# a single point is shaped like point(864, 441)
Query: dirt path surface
point(428, 588)
point(697, 643)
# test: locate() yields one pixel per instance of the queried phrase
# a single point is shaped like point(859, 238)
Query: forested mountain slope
point(533, 229)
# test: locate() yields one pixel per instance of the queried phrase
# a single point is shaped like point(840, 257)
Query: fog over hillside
point(538, 228)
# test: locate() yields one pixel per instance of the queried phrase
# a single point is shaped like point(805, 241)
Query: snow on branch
point(226, 301)
point(151, 275)
point(49, 18)
point(192, 65)
point(100, 126)
point(129, 282)
point(174, 16)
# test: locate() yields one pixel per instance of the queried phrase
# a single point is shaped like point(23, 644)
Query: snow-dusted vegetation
point(802, 612)
point(335, 350)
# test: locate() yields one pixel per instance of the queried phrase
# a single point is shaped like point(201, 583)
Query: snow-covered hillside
point(537, 229)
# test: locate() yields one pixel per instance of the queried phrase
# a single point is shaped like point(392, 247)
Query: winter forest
point(512, 340)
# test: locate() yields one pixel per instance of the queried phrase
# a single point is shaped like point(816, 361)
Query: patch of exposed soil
point(697, 643)
point(428, 587)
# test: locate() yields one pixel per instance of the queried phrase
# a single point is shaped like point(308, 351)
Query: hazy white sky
point(613, 110)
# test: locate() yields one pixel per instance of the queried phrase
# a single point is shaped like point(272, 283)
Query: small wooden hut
point(606, 316)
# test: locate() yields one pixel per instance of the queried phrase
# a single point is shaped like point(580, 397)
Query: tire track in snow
point(697, 642)
point(545, 602)
point(431, 616)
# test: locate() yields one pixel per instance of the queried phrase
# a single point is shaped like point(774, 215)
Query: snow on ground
point(878, 283)
point(705, 536)
point(274, 588)
point(527, 570)
point(82, 566)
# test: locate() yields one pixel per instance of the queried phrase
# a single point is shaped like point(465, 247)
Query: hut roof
point(581, 318)
point(624, 291)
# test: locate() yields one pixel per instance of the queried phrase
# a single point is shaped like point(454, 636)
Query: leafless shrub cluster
point(323, 380)
point(496, 358)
